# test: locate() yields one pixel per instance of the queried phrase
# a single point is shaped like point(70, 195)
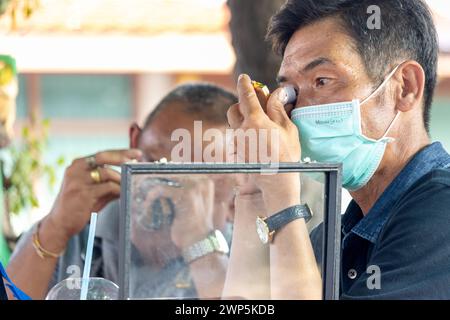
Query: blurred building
point(93, 67)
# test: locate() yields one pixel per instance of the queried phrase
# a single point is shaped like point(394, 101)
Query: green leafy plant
point(28, 167)
point(4, 4)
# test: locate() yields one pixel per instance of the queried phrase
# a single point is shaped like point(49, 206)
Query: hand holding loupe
point(263, 94)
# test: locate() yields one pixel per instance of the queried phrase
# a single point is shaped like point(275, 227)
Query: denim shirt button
point(352, 274)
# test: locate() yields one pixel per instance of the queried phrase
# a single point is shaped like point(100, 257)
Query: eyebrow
point(310, 66)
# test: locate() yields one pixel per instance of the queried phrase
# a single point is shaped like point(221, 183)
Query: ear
point(134, 133)
point(409, 93)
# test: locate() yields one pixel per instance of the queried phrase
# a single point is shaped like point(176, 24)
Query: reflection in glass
point(173, 219)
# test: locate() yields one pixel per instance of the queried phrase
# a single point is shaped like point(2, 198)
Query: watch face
point(262, 230)
point(223, 244)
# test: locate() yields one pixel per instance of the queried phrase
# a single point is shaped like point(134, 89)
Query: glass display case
point(175, 215)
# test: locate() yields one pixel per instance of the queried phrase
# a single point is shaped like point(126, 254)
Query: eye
point(320, 82)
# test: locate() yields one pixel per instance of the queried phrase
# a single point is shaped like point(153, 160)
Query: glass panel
point(313, 193)
point(170, 215)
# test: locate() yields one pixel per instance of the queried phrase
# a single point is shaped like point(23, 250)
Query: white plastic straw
point(88, 260)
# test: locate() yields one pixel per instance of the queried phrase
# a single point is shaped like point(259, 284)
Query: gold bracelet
point(41, 252)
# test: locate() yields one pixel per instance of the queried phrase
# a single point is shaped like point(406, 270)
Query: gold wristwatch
point(267, 226)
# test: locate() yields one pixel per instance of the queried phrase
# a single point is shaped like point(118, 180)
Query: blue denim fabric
point(405, 235)
point(432, 157)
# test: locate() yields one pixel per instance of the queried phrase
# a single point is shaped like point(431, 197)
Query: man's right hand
point(80, 194)
point(279, 190)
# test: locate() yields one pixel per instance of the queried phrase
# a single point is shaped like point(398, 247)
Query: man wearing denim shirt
point(364, 100)
point(412, 264)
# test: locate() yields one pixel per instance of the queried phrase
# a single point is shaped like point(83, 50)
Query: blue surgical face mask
point(332, 133)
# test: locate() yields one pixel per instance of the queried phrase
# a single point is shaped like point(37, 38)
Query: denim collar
point(369, 227)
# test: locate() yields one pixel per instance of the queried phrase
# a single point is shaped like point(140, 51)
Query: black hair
point(407, 31)
point(206, 101)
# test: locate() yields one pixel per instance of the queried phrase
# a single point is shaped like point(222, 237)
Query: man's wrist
point(282, 193)
point(276, 201)
point(52, 236)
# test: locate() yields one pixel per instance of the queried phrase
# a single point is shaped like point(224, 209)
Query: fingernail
point(241, 77)
point(283, 96)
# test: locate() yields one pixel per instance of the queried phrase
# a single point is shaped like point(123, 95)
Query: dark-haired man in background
point(364, 100)
point(171, 277)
